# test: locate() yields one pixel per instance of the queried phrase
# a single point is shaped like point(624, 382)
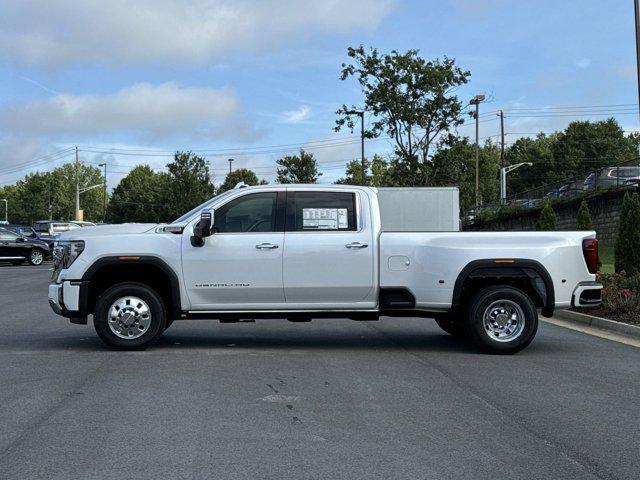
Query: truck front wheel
point(129, 316)
point(501, 320)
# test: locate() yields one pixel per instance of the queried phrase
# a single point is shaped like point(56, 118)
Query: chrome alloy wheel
point(129, 317)
point(503, 320)
point(36, 257)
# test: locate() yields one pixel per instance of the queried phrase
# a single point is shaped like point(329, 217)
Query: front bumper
point(587, 294)
point(68, 299)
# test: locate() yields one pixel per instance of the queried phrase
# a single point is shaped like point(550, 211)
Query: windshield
point(202, 206)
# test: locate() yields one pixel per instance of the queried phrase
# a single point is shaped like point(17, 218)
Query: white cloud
point(143, 110)
point(583, 63)
point(296, 116)
point(119, 32)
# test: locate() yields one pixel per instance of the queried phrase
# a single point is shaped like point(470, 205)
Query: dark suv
point(18, 249)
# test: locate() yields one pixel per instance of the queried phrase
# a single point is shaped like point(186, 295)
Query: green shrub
point(547, 220)
point(621, 296)
point(584, 217)
point(627, 246)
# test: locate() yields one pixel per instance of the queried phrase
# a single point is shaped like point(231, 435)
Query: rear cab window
point(321, 211)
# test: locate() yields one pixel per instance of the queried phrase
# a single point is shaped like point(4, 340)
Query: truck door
point(240, 265)
point(328, 250)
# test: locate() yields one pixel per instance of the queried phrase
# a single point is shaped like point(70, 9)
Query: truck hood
point(102, 230)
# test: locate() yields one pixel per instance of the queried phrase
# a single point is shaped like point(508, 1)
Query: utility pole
point(230, 162)
point(363, 174)
point(104, 193)
point(637, 26)
point(476, 101)
point(502, 163)
point(77, 216)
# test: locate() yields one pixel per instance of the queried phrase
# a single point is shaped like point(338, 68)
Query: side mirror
point(203, 229)
point(20, 240)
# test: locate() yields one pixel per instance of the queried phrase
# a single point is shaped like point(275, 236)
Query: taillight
point(590, 251)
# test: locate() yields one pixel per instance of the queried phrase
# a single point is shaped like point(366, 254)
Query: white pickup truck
point(311, 251)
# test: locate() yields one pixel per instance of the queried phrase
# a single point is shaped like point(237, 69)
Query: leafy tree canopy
point(240, 175)
point(412, 100)
point(301, 168)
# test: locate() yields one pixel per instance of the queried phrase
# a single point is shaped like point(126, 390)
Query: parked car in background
point(23, 230)
point(17, 249)
point(613, 177)
point(49, 230)
point(82, 223)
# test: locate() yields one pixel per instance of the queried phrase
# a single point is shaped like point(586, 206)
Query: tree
point(301, 168)
point(240, 175)
point(627, 246)
point(139, 197)
point(547, 220)
point(188, 183)
point(411, 100)
point(583, 219)
point(453, 165)
point(63, 191)
point(582, 147)
point(44, 195)
point(377, 173)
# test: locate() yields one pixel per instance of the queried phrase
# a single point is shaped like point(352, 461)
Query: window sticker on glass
point(324, 218)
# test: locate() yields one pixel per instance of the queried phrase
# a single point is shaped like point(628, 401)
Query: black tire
point(36, 256)
point(153, 330)
point(451, 326)
point(504, 298)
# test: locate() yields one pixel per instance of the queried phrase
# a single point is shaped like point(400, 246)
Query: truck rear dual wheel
point(501, 320)
point(129, 316)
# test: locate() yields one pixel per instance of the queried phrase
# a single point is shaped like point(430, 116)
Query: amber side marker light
point(128, 258)
point(504, 260)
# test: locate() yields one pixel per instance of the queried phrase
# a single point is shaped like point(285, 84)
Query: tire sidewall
point(35, 250)
point(153, 300)
point(475, 325)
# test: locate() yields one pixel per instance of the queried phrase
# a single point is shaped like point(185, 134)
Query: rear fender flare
point(533, 270)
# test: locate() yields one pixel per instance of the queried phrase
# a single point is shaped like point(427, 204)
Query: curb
point(598, 322)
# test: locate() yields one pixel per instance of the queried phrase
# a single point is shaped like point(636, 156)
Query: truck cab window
point(321, 211)
point(249, 213)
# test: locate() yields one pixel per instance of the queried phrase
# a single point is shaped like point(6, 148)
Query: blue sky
point(253, 75)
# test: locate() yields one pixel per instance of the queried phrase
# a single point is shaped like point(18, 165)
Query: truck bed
point(428, 263)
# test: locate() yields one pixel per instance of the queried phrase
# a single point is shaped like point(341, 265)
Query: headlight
point(65, 253)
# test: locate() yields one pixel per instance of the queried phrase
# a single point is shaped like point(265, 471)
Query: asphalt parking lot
point(329, 399)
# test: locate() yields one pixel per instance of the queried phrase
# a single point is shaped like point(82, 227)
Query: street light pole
point(363, 176)
point(77, 216)
point(502, 138)
point(230, 162)
point(476, 101)
point(503, 178)
point(104, 193)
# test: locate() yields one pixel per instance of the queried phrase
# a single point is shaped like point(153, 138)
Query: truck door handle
point(356, 245)
point(266, 246)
